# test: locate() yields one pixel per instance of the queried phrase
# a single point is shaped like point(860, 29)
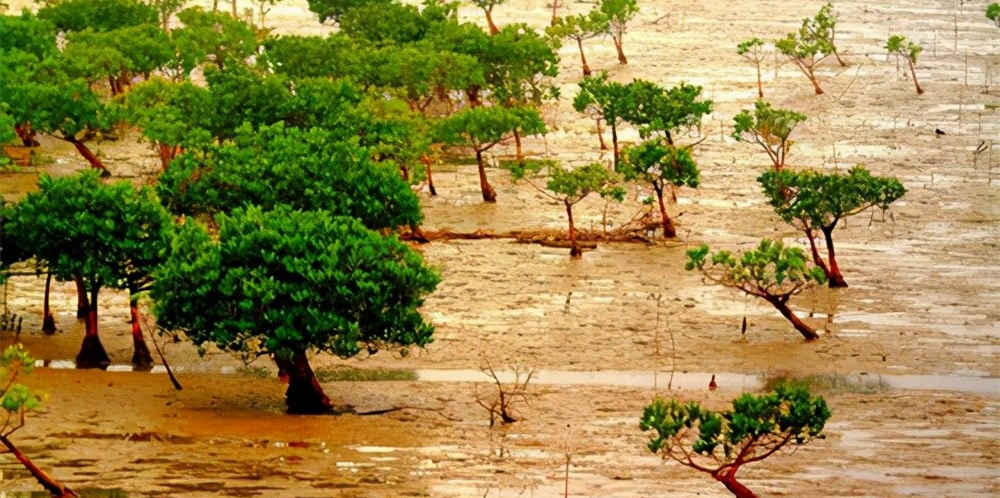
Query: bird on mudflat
point(938, 132)
point(712, 385)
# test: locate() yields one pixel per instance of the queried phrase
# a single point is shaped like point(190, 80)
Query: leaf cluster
point(900, 46)
point(283, 281)
point(993, 13)
point(483, 127)
point(97, 15)
point(658, 163)
point(754, 428)
point(770, 271)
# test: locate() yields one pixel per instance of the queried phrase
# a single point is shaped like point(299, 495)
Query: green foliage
point(655, 109)
point(802, 46)
point(618, 14)
point(769, 270)
point(826, 198)
point(572, 185)
point(213, 36)
point(284, 281)
point(304, 169)
point(769, 128)
point(519, 65)
point(27, 33)
point(899, 45)
point(336, 56)
point(165, 9)
point(823, 26)
point(755, 428)
point(384, 23)
point(420, 72)
point(579, 27)
point(993, 13)
point(131, 50)
point(335, 9)
point(599, 97)
point(7, 123)
point(16, 398)
point(172, 114)
point(484, 127)
point(107, 235)
point(751, 48)
point(659, 164)
point(98, 15)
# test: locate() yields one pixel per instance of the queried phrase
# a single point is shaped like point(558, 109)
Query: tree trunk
point(167, 154)
point(735, 487)
point(404, 172)
point(112, 83)
point(808, 332)
point(583, 58)
point(614, 141)
point(92, 353)
point(304, 394)
point(430, 178)
point(82, 306)
point(812, 79)
point(668, 225)
point(51, 485)
point(489, 20)
point(600, 135)
point(760, 84)
point(815, 253)
point(26, 134)
point(517, 147)
point(215, 5)
point(141, 358)
point(621, 55)
point(473, 94)
point(84, 151)
point(489, 195)
point(913, 72)
point(48, 323)
point(235, 14)
point(839, 60)
point(555, 5)
point(574, 250)
point(834, 276)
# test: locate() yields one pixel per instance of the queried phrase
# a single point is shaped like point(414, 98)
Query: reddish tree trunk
point(304, 394)
point(574, 250)
point(82, 306)
point(834, 276)
point(140, 352)
point(555, 5)
point(621, 54)
point(51, 485)
point(167, 154)
point(519, 154)
point(600, 135)
point(94, 161)
point(113, 84)
point(815, 82)
point(430, 178)
point(92, 353)
point(614, 141)
point(489, 20)
point(26, 134)
point(473, 94)
point(808, 332)
point(48, 322)
point(583, 58)
point(735, 487)
point(489, 195)
point(913, 72)
point(815, 253)
point(669, 231)
point(404, 172)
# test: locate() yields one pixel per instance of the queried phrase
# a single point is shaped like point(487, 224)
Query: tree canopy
point(719, 443)
point(284, 282)
point(658, 165)
point(98, 15)
point(768, 127)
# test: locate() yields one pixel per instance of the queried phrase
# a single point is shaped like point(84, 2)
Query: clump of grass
point(829, 383)
point(350, 374)
point(259, 372)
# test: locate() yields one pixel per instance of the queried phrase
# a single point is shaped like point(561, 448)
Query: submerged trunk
point(834, 276)
point(669, 231)
point(140, 354)
point(304, 395)
point(574, 250)
point(583, 58)
point(735, 487)
point(489, 195)
point(82, 306)
point(621, 54)
point(815, 82)
point(782, 306)
point(87, 154)
point(430, 177)
point(92, 353)
point(48, 323)
point(489, 20)
point(913, 72)
point(51, 485)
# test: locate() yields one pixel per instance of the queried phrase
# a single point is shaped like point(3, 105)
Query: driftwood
point(586, 239)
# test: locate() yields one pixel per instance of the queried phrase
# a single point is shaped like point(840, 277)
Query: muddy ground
point(922, 300)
